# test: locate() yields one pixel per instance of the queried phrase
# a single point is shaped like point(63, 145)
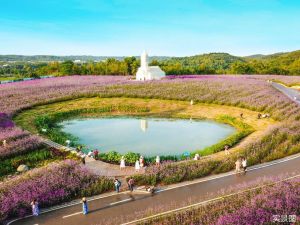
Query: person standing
point(35, 207)
point(242, 115)
point(142, 162)
point(83, 159)
point(244, 164)
point(96, 153)
point(157, 161)
point(117, 185)
point(91, 154)
point(238, 165)
point(137, 166)
point(122, 163)
point(226, 149)
point(85, 209)
point(130, 184)
point(197, 156)
point(68, 142)
point(4, 143)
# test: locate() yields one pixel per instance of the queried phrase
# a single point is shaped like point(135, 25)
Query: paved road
point(116, 208)
point(290, 92)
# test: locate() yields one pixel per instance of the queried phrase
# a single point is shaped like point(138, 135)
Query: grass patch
point(243, 130)
point(32, 159)
point(42, 117)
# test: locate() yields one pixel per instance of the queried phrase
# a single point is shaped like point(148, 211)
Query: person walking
point(35, 207)
point(130, 184)
point(122, 163)
point(83, 159)
point(117, 185)
point(157, 161)
point(85, 208)
point(238, 165)
point(137, 166)
point(244, 164)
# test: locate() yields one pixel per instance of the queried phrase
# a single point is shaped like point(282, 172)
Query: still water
point(148, 136)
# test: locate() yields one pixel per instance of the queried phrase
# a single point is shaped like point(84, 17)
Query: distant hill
point(51, 58)
point(211, 61)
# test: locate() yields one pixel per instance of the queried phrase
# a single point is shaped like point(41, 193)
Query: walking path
point(124, 207)
point(98, 167)
point(292, 93)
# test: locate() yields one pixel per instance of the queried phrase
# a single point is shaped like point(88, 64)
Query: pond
point(147, 136)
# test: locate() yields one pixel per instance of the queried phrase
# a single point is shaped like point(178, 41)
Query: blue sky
point(163, 27)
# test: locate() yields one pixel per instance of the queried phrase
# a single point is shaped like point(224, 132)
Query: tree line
point(213, 63)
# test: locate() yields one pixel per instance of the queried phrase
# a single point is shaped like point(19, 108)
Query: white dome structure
point(146, 72)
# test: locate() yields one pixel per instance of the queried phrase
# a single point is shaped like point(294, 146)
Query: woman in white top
point(141, 161)
point(137, 165)
point(157, 160)
point(197, 157)
point(122, 164)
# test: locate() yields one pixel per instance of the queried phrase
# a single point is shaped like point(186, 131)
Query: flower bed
point(49, 185)
point(169, 172)
point(12, 133)
point(20, 146)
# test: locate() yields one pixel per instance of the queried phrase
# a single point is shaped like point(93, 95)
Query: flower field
point(45, 184)
point(50, 185)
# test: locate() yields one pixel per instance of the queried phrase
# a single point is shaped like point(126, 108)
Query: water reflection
point(128, 134)
point(144, 125)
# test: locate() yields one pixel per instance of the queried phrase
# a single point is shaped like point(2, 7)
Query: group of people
point(92, 153)
point(118, 184)
point(259, 115)
point(139, 163)
point(241, 165)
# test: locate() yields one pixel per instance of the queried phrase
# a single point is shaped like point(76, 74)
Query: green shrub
point(32, 159)
point(103, 184)
point(243, 130)
point(131, 157)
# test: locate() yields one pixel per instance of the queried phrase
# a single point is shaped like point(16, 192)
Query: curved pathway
point(98, 167)
point(290, 92)
point(117, 208)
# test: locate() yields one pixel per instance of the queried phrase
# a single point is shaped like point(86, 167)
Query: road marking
point(207, 201)
point(125, 200)
point(113, 203)
point(268, 164)
point(74, 214)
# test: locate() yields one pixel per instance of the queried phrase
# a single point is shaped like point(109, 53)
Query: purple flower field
point(245, 91)
point(60, 182)
point(19, 146)
point(50, 185)
point(15, 96)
